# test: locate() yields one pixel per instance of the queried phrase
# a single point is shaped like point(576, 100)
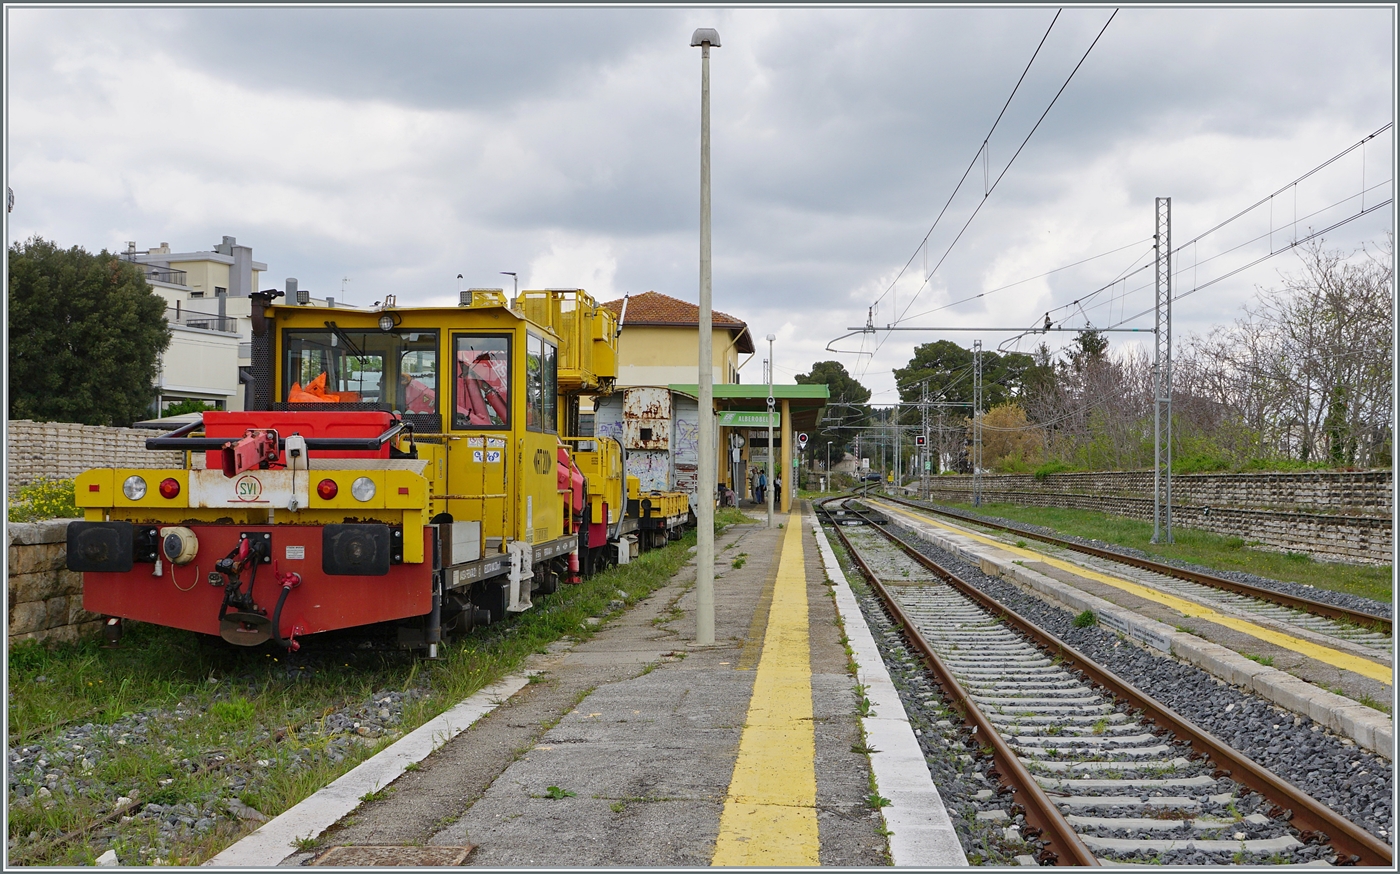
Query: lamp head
point(705, 36)
point(771, 338)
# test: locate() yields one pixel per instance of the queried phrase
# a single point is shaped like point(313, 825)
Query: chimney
point(330, 301)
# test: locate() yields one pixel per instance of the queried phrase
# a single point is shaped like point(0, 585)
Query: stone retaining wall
point(61, 450)
point(1338, 516)
point(45, 598)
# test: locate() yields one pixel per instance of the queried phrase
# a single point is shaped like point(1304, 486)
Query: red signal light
point(169, 488)
point(327, 489)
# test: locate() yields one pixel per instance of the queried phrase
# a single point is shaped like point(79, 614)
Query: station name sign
point(746, 419)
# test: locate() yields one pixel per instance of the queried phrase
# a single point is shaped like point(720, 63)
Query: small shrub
point(1087, 619)
point(556, 793)
point(44, 499)
point(1051, 467)
point(188, 405)
point(1200, 463)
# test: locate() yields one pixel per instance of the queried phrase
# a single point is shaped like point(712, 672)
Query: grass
point(1372, 703)
point(726, 516)
point(1204, 548)
point(1087, 619)
point(1266, 661)
point(262, 710)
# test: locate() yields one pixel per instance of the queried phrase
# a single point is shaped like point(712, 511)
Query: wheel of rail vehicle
point(549, 580)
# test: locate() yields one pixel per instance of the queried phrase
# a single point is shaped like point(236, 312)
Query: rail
point(1308, 813)
point(1041, 812)
point(1307, 605)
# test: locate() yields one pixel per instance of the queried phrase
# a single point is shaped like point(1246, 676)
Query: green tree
point(845, 408)
point(85, 333)
point(948, 369)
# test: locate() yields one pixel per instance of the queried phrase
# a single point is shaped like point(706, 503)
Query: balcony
point(168, 275)
point(188, 318)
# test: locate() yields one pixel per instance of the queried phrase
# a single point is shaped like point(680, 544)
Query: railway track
point(1102, 772)
point(1331, 620)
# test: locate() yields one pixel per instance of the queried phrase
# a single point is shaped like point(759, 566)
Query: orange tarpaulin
point(315, 393)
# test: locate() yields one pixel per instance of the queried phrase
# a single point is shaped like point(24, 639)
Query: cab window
point(391, 369)
point(481, 381)
point(541, 385)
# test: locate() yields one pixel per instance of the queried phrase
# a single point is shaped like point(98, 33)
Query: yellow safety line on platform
point(1336, 658)
point(770, 812)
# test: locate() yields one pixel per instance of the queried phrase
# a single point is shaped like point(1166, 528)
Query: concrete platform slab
point(622, 753)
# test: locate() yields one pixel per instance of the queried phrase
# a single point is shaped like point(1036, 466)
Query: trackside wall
point(62, 450)
point(45, 598)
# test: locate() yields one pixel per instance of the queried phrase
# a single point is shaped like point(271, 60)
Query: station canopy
point(805, 402)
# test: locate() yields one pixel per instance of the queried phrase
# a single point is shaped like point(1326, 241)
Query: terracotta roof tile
point(654, 308)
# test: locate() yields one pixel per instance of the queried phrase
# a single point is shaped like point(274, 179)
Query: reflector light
point(403, 490)
point(134, 488)
point(169, 488)
point(327, 489)
point(362, 488)
point(94, 487)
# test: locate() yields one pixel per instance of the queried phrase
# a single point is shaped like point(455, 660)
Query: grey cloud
point(423, 57)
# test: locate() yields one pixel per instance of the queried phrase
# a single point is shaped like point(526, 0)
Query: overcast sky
point(401, 147)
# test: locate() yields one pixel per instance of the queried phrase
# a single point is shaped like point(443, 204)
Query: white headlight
point(134, 488)
point(362, 488)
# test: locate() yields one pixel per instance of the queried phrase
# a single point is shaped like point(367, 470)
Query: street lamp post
point(705, 37)
point(828, 459)
point(768, 492)
point(516, 289)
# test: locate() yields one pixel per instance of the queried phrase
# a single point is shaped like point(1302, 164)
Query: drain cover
point(389, 857)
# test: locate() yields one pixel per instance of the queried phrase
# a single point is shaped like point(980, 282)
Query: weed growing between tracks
point(1203, 548)
point(172, 745)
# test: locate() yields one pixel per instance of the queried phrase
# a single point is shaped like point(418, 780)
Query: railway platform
point(637, 747)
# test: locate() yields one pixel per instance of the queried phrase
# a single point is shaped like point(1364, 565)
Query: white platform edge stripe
point(922, 832)
point(275, 840)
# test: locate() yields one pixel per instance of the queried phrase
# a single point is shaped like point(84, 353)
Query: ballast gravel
point(954, 759)
point(66, 766)
point(1333, 770)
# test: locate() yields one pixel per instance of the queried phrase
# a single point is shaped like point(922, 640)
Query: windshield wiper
point(350, 344)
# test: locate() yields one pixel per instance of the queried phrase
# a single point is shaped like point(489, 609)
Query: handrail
point(177, 440)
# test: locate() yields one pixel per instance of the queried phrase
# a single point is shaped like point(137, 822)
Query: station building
point(655, 411)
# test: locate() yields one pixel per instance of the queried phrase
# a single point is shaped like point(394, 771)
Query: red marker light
point(403, 490)
point(327, 489)
point(94, 487)
point(169, 488)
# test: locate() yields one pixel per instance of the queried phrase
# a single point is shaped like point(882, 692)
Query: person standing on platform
point(777, 490)
point(762, 486)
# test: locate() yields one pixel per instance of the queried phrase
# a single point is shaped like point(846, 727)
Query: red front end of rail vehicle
point(183, 597)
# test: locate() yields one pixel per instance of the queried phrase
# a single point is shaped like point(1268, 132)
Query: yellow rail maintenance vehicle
point(412, 465)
